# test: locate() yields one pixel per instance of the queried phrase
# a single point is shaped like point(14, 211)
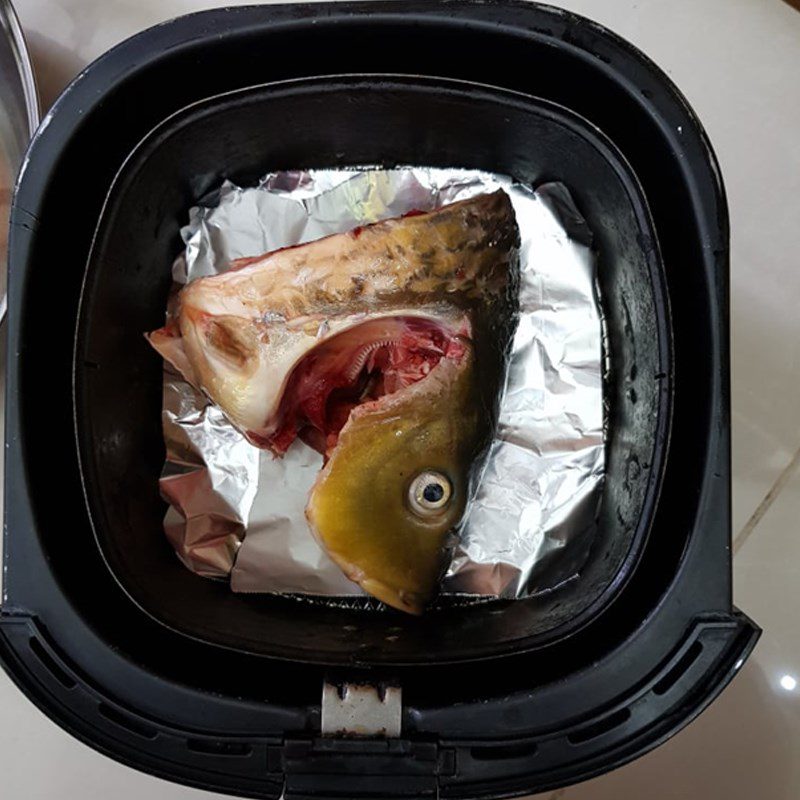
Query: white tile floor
point(738, 62)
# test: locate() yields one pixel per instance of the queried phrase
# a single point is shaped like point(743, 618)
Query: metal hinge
point(361, 710)
point(360, 752)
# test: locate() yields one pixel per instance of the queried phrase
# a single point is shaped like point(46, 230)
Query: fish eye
point(429, 493)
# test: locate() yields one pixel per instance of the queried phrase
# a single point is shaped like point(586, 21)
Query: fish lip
point(410, 602)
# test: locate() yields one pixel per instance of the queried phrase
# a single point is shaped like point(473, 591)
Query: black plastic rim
point(622, 574)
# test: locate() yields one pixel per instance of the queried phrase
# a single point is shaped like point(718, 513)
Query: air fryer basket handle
point(306, 767)
point(347, 768)
point(697, 670)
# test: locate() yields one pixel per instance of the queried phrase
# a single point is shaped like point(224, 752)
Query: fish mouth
point(362, 365)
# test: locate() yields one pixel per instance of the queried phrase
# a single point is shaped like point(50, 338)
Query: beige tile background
point(738, 62)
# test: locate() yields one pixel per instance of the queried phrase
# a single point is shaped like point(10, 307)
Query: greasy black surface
point(505, 722)
point(323, 123)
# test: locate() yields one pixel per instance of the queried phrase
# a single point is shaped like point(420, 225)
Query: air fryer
point(115, 640)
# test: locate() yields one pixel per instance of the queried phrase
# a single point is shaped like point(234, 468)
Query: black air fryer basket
point(116, 641)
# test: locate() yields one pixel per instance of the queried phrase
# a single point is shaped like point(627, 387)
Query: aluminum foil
point(237, 512)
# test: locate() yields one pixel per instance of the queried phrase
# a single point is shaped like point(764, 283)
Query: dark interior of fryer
point(343, 123)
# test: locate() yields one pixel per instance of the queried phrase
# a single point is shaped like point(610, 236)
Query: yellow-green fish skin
point(359, 507)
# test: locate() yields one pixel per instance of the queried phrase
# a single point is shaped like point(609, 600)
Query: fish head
point(395, 487)
point(384, 348)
